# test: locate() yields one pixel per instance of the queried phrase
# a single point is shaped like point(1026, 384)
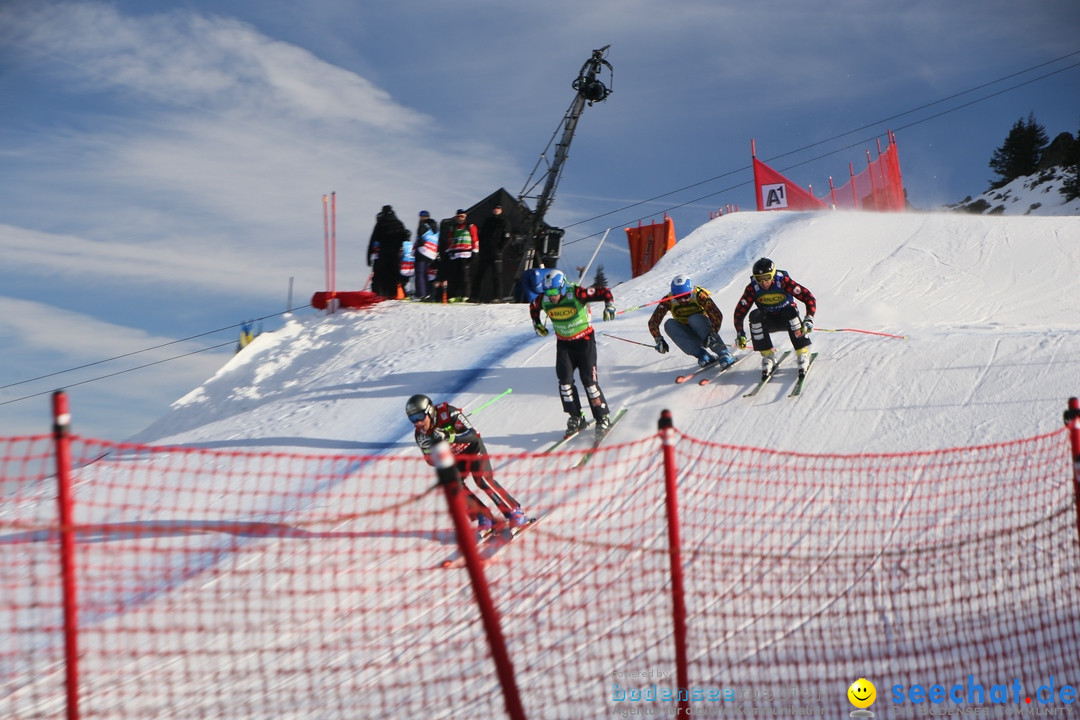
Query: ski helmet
point(682, 285)
point(418, 406)
point(764, 270)
point(554, 282)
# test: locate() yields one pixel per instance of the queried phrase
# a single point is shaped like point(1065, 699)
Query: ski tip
point(683, 378)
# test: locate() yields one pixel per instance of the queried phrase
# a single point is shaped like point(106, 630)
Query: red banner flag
point(776, 192)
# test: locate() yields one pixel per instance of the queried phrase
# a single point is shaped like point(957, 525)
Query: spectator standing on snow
point(494, 235)
point(426, 250)
point(384, 253)
point(461, 244)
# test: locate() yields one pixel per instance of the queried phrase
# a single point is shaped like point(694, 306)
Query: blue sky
point(163, 163)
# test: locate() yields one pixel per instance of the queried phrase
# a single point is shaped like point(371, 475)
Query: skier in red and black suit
point(444, 422)
point(775, 293)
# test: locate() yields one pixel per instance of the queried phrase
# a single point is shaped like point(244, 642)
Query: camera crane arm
point(590, 89)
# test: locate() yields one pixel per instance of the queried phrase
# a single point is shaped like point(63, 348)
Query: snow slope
point(986, 305)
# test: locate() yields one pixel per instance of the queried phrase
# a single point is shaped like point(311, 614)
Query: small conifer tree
point(1070, 187)
point(600, 279)
point(1020, 153)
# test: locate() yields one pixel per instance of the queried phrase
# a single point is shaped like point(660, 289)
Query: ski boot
point(517, 519)
point(802, 357)
point(705, 359)
point(484, 525)
point(602, 427)
point(575, 424)
point(768, 362)
point(726, 359)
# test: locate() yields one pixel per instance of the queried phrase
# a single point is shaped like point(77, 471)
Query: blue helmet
point(554, 282)
point(682, 285)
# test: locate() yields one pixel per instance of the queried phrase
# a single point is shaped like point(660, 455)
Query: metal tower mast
point(590, 89)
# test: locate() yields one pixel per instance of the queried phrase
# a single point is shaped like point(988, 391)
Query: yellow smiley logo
point(862, 693)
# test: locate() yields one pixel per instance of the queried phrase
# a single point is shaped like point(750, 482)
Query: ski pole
point(868, 332)
point(501, 395)
point(653, 302)
point(589, 264)
point(625, 340)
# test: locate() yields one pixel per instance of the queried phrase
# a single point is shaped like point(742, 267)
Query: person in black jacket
point(494, 236)
point(384, 253)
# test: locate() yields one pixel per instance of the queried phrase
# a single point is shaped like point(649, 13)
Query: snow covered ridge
point(1030, 195)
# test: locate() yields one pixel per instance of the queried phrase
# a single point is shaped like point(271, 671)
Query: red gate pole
point(1072, 421)
point(678, 597)
point(446, 469)
point(61, 430)
point(333, 243)
point(326, 250)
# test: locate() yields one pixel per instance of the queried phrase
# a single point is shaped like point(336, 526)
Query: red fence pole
point(61, 429)
point(326, 252)
point(446, 469)
point(333, 243)
point(1072, 421)
point(678, 596)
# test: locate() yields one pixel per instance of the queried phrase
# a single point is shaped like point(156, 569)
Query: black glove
point(439, 435)
point(661, 345)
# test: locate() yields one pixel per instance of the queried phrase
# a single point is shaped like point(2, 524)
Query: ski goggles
point(765, 278)
point(417, 417)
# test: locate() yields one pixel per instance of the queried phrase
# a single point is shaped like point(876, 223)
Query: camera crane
point(590, 89)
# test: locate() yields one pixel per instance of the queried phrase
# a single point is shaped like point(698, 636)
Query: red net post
point(1072, 421)
point(678, 598)
point(453, 486)
point(61, 430)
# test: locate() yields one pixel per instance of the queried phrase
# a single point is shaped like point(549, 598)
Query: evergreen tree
point(1070, 188)
point(1020, 153)
point(600, 279)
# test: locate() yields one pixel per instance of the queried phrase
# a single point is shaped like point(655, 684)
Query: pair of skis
point(562, 442)
point(491, 543)
point(795, 391)
point(568, 437)
point(706, 380)
point(600, 438)
point(798, 387)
